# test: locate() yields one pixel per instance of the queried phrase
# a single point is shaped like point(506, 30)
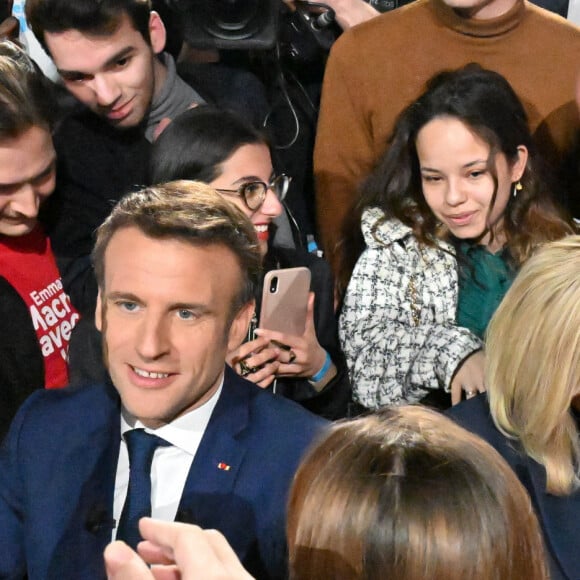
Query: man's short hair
point(191, 212)
point(25, 93)
point(97, 17)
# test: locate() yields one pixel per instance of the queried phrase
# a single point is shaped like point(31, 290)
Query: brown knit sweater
point(379, 67)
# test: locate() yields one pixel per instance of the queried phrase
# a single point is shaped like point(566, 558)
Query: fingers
point(456, 390)
point(290, 362)
point(122, 563)
point(469, 378)
point(246, 349)
point(226, 555)
point(256, 360)
point(263, 357)
point(154, 554)
point(469, 392)
point(276, 337)
point(184, 551)
point(250, 367)
point(198, 553)
point(264, 376)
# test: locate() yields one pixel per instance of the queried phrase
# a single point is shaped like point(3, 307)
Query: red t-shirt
point(28, 264)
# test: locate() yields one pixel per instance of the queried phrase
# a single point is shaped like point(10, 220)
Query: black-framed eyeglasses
point(254, 192)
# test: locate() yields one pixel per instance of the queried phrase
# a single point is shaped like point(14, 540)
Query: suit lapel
point(210, 498)
point(86, 494)
point(220, 454)
point(560, 520)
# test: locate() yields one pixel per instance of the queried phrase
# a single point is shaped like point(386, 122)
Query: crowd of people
point(147, 416)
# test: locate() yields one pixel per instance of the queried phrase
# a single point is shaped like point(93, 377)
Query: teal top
point(484, 278)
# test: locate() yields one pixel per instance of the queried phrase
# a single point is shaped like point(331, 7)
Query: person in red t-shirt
point(37, 316)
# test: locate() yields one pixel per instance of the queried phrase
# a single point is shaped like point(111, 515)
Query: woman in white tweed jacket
point(398, 326)
point(448, 216)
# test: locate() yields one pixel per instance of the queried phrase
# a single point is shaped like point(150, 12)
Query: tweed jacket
point(397, 326)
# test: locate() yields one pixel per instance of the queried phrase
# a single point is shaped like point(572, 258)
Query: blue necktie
point(141, 447)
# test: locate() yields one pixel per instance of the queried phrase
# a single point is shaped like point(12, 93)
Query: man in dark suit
point(176, 267)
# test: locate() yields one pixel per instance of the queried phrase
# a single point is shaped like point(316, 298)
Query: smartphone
point(285, 300)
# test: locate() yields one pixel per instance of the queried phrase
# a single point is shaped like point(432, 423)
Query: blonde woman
point(531, 414)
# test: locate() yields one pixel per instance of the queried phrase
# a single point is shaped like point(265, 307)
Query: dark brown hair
point(99, 17)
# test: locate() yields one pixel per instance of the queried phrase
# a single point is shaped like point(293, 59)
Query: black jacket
point(96, 166)
point(21, 362)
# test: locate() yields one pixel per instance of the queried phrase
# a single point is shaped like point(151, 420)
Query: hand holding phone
point(256, 361)
point(300, 355)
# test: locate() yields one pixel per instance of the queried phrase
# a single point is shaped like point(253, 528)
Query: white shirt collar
point(185, 432)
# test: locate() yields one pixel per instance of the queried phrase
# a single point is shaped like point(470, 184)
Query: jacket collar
point(378, 230)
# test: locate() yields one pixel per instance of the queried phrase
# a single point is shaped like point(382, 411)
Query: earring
point(517, 188)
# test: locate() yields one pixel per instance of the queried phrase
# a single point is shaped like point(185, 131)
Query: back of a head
point(99, 17)
point(190, 212)
point(533, 361)
point(408, 494)
point(25, 94)
point(197, 142)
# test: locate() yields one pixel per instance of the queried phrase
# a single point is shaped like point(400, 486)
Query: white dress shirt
point(170, 464)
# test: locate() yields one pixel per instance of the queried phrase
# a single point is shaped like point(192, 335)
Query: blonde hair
point(533, 361)
point(408, 494)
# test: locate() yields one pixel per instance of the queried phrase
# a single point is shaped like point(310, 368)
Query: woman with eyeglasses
point(216, 147)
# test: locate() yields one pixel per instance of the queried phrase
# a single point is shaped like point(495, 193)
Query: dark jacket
point(21, 362)
point(58, 467)
point(559, 516)
point(96, 166)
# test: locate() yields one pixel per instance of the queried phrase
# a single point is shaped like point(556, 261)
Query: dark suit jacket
point(58, 466)
point(559, 516)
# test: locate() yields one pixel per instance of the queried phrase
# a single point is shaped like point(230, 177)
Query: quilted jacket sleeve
point(397, 327)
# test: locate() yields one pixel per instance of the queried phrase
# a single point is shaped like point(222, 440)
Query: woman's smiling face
point(457, 183)
point(251, 162)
